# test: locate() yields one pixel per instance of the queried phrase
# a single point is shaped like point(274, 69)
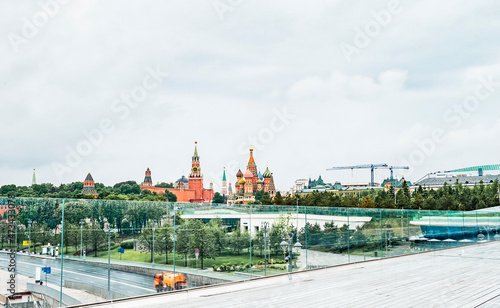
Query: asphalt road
point(129, 284)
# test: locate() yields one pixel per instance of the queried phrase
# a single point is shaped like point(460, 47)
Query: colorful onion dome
point(248, 174)
point(267, 174)
point(241, 181)
point(239, 174)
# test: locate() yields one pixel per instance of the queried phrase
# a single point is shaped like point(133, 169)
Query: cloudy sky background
point(231, 75)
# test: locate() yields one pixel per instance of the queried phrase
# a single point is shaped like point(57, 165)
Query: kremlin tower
point(224, 183)
point(89, 186)
point(186, 190)
point(147, 179)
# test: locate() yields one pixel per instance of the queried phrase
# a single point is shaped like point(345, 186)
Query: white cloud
point(227, 77)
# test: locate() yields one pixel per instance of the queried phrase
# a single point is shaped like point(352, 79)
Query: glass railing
point(218, 243)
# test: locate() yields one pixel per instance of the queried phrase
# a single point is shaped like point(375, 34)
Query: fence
point(238, 242)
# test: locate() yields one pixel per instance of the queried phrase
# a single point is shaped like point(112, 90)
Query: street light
point(154, 225)
point(81, 237)
point(29, 236)
point(107, 229)
point(290, 245)
point(173, 205)
point(265, 227)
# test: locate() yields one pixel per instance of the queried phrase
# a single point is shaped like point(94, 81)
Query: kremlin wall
point(191, 189)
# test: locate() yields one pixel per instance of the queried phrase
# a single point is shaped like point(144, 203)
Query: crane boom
point(372, 167)
point(396, 167)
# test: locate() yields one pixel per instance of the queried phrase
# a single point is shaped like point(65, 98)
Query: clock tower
point(195, 178)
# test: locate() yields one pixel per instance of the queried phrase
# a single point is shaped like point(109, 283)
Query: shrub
point(127, 244)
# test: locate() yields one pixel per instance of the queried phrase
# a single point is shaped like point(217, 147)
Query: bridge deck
point(460, 277)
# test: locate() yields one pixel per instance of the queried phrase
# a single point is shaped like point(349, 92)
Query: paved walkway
point(317, 259)
point(459, 277)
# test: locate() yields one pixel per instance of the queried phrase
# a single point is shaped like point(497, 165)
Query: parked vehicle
point(167, 282)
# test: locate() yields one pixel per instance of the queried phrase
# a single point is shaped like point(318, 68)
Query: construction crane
point(372, 167)
point(396, 167)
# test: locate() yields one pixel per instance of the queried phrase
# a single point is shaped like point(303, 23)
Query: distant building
point(437, 182)
point(468, 176)
point(397, 184)
point(89, 186)
point(314, 183)
point(300, 184)
point(186, 190)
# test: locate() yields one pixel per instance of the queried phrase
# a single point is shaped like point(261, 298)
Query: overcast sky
point(114, 87)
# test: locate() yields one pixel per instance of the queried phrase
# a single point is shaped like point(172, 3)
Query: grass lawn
point(138, 256)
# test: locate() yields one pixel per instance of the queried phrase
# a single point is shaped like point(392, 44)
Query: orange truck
point(167, 282)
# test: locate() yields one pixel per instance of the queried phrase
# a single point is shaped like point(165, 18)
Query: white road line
point(127, 284)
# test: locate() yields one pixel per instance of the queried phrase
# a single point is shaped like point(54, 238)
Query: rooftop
point(451, 180)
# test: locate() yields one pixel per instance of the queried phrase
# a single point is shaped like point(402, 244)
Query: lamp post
point(29, 236)
point(265, 226)
point(153, 252)
point(62, 258)
point(107, 229)
point(174, 239)
point(289, 245)
point(81, 238)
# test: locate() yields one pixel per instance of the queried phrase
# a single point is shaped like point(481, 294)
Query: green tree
point(418, 202)
point(238, 241)
point(170, 196)
point(165, 185)
point(183, 241)
point(218, 198)
point(266, 198)
point(166, 241)
point(367, 202)
point(278, 199)
point(96, 236)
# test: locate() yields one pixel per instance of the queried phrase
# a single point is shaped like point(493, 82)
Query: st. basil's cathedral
point(249, 183)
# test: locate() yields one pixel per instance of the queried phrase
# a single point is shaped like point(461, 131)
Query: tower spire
point(224, 182)
point(195, 155)
point(33, 181)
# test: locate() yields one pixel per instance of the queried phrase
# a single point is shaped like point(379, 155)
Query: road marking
point(127, 284)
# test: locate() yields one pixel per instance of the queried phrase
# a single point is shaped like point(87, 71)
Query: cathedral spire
point(251, 160)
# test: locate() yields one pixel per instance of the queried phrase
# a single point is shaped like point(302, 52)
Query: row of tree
point(448, 198)
point(128, 190)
